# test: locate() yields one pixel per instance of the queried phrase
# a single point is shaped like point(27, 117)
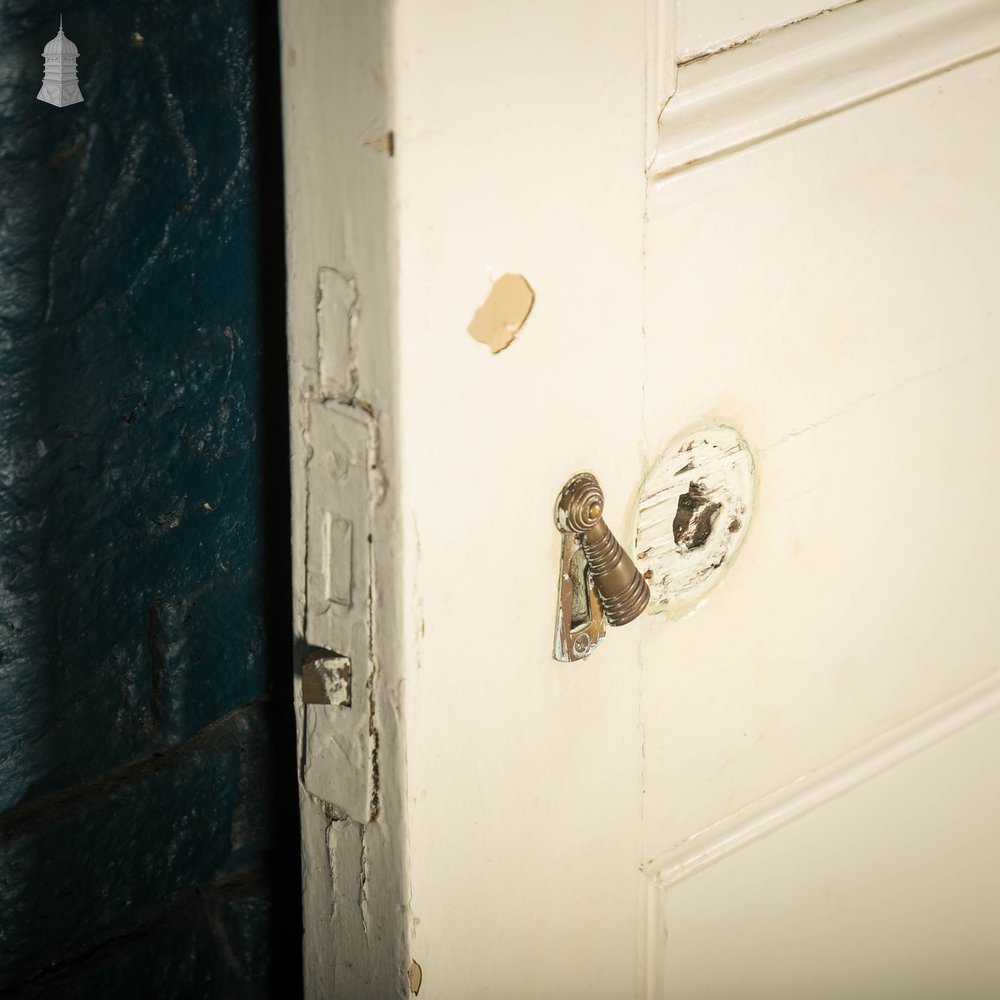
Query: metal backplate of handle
point(598, 583)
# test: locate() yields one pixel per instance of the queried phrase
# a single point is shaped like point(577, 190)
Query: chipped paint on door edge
point(346, 523)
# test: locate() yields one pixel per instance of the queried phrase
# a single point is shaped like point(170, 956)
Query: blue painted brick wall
point(80, 869)
point(135, 758)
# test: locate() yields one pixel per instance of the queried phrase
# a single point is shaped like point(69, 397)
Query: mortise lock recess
point(598, 582)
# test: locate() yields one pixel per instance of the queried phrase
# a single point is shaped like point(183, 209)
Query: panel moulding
point(818, 787)
point(661, 66)
point(802, 796)
point(798, 73)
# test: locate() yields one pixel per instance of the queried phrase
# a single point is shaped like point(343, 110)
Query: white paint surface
point(859, 342)
point(513, 157)
point(708, 26)
point(878, 893)
point(827, 288)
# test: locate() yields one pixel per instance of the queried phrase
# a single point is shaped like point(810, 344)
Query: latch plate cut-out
point(337, 756)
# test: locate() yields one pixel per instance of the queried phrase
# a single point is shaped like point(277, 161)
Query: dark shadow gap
point(283, 862)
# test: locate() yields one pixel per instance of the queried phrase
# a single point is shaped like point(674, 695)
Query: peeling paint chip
point(499, 318)
point(416, 975)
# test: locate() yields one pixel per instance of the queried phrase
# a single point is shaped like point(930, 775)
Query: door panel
point(831, 294)
point(877, 890)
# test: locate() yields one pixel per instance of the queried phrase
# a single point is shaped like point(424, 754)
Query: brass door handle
point(598, 582)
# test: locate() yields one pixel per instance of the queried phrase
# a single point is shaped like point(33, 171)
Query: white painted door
point(747, 219)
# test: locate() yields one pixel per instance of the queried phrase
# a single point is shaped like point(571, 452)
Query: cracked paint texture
point(130, 515)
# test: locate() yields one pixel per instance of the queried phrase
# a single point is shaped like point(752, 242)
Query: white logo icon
point(59, 86)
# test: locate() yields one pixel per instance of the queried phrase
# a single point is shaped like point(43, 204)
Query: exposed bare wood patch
point(695, 517)
point(415, 975)
point(497, 321)
point(326, 679)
